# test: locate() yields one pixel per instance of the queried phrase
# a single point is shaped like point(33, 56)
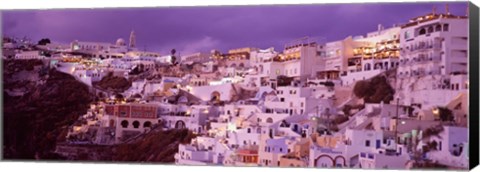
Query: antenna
point(447, 10)
point(467, 11)
point(396, 126)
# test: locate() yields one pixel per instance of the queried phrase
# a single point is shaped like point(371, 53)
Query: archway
point(324, 161)
point(180, 124)
point(340, 161)
point(215, 96)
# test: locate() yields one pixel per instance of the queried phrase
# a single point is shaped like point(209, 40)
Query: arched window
point(430, 29)
point(422, 31)
point(438, 28)
point(124, 124)
point(136, 124)
point(147, 124)
point(269, 120)
point(367, 66)
point(445, 27)
point(241, 66)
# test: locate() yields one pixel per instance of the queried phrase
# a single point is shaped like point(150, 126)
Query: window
point(124, 124)
point(269, 120)
point(367, 143)
point(422, 31)
point(136, 124)
point(445, 27)
point(438, 28)
point(430, 29)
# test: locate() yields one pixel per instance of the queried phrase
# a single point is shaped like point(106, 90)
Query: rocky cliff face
point(39, 104)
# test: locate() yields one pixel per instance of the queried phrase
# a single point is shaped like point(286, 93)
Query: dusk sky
point(192, 29)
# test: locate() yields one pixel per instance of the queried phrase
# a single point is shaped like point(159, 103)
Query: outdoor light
point(231, 127)
point(436, 111)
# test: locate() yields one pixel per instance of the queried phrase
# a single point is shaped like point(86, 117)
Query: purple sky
point(190, 29)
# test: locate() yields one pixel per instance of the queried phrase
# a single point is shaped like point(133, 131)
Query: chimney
point(434, 11)
point(379, 27)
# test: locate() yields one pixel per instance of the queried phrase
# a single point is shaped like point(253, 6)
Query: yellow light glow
point(436, 111)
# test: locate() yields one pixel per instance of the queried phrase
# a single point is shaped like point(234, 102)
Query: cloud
point(207, 43)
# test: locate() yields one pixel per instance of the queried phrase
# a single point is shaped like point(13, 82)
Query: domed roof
point(120, 41)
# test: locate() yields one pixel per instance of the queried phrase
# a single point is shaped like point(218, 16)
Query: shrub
point(114, 82)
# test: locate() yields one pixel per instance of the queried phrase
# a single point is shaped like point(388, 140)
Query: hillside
point(39, 104)
point(158, 147)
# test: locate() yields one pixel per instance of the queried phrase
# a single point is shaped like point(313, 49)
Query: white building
point(200, 57)
point(25, 55)
point(434, 44)
point(452, 147)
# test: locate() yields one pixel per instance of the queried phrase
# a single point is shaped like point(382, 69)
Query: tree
point(283, 80)
point(445, 114)
point(362, 89)
point(174, 58)
point(374, 90)
point(44, 41)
